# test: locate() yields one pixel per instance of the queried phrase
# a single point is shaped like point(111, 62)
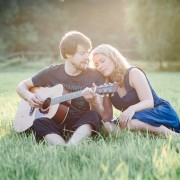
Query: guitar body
point(24, 117)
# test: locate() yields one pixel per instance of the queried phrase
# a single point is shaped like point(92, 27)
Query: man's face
point(80, 59)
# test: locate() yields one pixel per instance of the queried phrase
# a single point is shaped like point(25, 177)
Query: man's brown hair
point(70, 41)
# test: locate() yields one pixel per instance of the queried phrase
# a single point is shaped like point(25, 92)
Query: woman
point(141, 108)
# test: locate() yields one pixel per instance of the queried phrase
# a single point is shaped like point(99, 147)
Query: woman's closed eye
point(102, 60)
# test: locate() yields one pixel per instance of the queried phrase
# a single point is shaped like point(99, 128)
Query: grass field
point(126, 155)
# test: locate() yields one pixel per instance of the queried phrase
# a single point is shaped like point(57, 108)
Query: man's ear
point(68, 55)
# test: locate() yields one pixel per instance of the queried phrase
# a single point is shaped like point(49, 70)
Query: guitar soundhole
point(46, 103)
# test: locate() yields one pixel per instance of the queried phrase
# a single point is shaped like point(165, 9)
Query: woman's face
point(103, 64)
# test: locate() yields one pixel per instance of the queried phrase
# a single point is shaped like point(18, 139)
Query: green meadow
point(124, 155)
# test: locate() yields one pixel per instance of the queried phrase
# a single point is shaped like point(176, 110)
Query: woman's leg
point(136, 124)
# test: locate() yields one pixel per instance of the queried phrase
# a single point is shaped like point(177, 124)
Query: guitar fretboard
point(66, 97)
point(106, 89)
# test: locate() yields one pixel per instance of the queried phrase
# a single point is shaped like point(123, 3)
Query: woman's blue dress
point(162, 113)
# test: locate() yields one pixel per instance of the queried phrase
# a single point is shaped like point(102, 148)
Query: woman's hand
point(126, 116)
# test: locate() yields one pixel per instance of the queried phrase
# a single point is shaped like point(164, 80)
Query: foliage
point(155, 26)
point(150, 26)
point(39, 25)
point(25, 23)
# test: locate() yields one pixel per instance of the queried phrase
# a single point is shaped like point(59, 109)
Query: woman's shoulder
point(135, 75)
point(135, 71)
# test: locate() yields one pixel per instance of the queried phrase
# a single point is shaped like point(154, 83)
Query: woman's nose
point(99, 67)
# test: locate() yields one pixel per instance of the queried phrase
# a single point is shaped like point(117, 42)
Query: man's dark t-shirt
point(55, 74)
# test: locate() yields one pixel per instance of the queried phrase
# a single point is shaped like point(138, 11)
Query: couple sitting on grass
point(142, 109)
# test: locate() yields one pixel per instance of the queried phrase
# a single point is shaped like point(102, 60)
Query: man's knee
point(36, 123)
point(41, 121)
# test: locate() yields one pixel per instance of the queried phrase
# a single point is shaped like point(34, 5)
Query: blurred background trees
point(141, 29)
point(39, 25)
point(155, 27)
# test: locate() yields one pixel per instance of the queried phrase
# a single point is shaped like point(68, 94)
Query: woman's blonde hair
point(121, 64)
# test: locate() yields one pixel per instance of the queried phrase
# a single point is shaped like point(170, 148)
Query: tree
point(155, 26)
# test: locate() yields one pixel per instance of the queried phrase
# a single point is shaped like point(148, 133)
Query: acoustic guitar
point(53, 106)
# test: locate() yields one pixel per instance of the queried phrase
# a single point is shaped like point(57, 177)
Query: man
point(83, 118)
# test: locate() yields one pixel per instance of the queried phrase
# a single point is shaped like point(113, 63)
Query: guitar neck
point(66, 97)
point(102, 89)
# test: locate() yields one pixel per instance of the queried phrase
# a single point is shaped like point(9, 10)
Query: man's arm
point(95, 100)
point(97, 104)
point(100, 104)
point(23, 89)
point(107, 114)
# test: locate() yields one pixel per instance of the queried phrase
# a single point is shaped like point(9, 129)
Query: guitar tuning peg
point(107, 95)
point(102, 95)
point(112, 94)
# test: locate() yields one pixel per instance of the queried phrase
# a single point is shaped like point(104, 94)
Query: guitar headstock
point(106, 88)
